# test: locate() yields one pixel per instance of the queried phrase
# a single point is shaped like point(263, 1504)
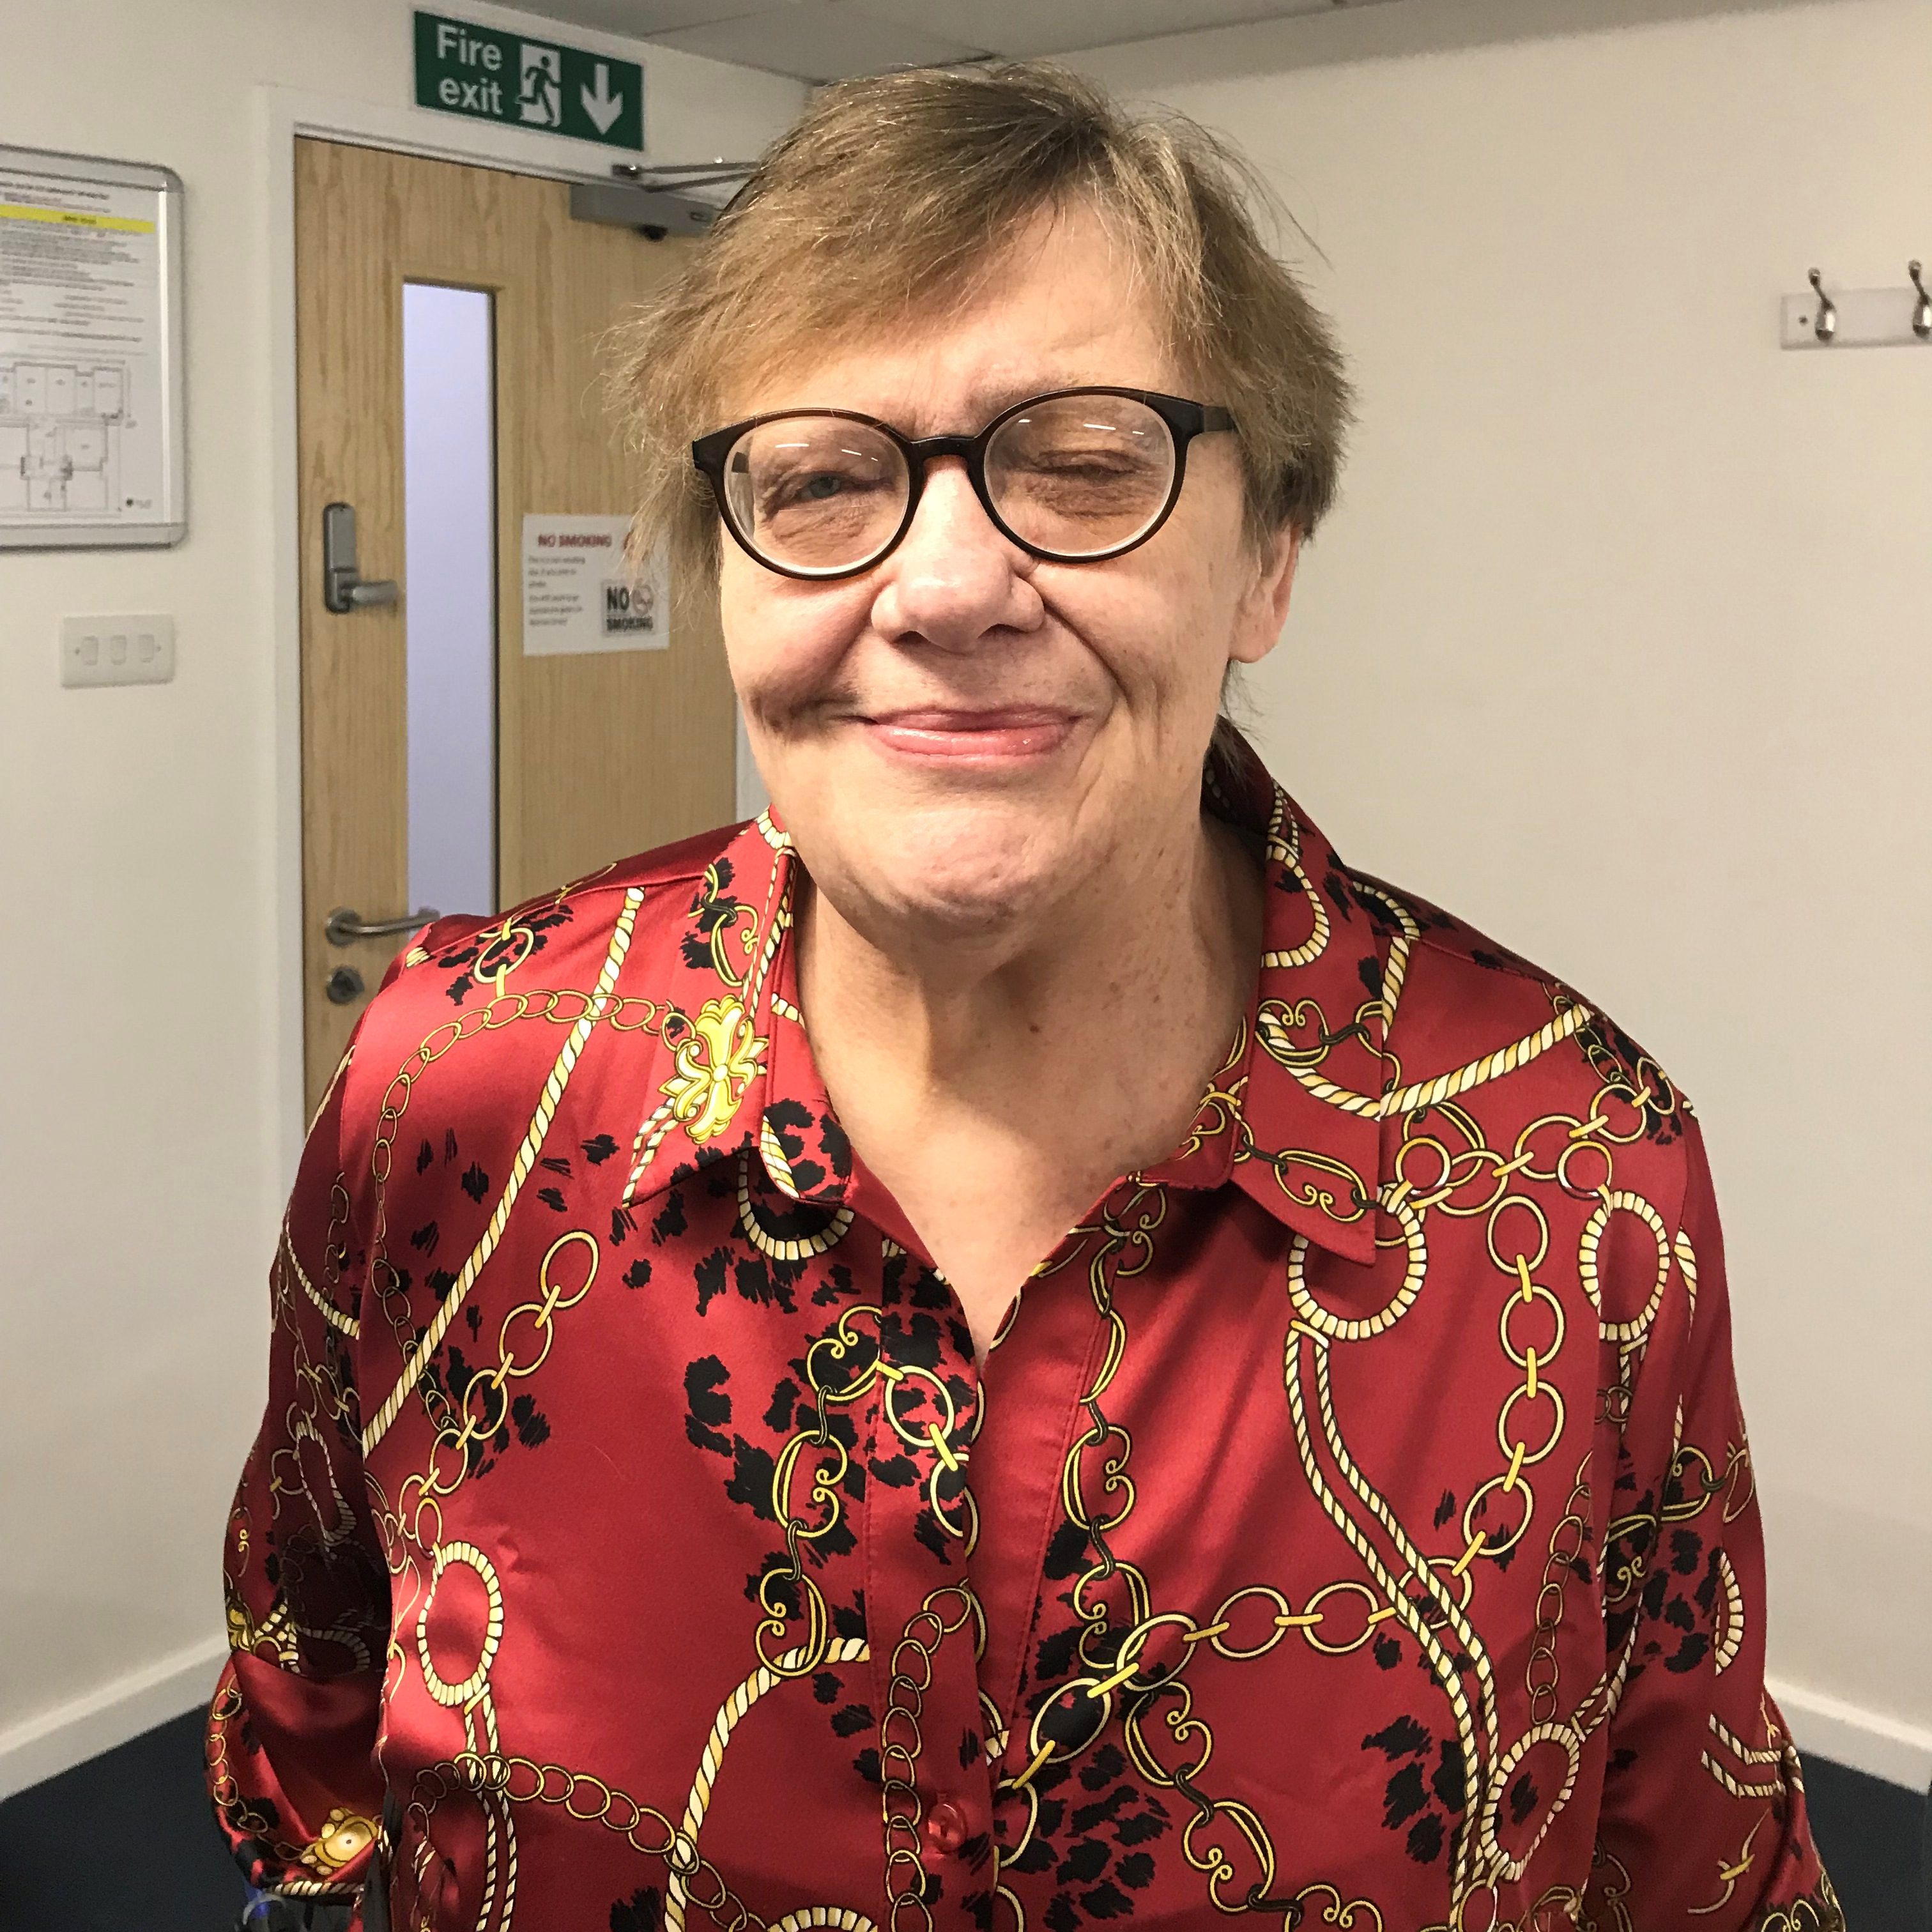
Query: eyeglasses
point(1073, 476)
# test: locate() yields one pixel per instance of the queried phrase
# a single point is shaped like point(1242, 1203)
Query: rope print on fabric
point(1137, 1657)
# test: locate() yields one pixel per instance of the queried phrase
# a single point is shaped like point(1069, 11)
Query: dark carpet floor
point(124, 1844)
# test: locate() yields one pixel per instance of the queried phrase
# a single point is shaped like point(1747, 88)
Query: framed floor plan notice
point(90, 423)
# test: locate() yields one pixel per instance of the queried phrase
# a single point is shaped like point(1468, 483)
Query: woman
point(1013, 1343)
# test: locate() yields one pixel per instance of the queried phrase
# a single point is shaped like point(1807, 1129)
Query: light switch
point(117, 650)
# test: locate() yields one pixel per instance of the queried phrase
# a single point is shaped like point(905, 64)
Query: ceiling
point(825, 40)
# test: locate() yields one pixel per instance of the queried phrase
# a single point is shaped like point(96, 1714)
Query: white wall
point(1618, 646)
point(146, 1115)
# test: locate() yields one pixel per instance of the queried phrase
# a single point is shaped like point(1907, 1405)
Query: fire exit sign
point(462, 68)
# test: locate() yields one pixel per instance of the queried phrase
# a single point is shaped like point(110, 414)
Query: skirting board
point(70, 1734)
point(1881, 1747)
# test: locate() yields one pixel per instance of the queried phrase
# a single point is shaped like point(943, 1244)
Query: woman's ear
point(1264, 607)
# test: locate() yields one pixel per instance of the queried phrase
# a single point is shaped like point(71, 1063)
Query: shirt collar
point(1295, 1118)
point(1292, 1118)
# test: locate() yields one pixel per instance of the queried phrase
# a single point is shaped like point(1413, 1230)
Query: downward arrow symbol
point(603, 106)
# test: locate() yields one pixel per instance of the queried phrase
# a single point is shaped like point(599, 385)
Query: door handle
point(343, 927)
point(343, 586)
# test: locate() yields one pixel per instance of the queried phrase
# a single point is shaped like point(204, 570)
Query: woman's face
point(965, 741)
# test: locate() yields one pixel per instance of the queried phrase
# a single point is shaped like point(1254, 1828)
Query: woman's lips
point(1007, 735)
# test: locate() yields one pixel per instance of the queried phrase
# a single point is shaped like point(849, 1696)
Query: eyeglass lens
point(1073, 476)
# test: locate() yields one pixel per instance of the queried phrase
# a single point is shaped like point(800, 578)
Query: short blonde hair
point(895, 195)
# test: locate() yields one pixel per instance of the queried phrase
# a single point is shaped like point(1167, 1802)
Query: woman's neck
point(1087, 1043)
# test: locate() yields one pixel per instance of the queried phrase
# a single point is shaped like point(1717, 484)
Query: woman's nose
point(955, 576)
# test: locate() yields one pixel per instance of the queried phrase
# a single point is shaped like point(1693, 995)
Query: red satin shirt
point(1353, 1524)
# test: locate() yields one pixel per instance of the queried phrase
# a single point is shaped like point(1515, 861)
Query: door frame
point(285, 114)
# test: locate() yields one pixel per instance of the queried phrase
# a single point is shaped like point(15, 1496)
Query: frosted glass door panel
point(449, 470)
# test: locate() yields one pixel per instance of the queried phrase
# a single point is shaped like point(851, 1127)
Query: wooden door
point(598, 755)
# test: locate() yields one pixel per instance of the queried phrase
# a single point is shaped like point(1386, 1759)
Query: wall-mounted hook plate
point(1867, 319)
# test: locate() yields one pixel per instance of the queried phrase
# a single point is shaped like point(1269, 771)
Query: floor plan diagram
point(60, 435)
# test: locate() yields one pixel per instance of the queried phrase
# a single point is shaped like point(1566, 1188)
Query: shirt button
point(945, 1829)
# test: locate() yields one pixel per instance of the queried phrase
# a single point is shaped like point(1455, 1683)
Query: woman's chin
point(928, 874)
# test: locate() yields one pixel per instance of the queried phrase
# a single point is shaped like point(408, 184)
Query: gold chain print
point(714, 1057)
point(1442, 1164)
point(902, 1743)
point(502, 1782)
point(801, 1557)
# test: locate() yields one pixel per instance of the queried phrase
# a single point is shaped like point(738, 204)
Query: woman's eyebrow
point(984, 400)
point(996, 397)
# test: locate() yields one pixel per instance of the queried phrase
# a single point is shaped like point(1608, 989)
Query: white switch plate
point(117, 650)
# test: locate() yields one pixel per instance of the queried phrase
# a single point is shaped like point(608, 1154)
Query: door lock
point(343, 587)
point(344, 985)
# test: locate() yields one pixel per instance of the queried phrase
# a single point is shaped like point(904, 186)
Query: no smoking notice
point(580, 594)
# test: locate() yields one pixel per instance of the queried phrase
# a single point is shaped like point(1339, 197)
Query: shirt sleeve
point(291, 1732)
point(1703, 1824)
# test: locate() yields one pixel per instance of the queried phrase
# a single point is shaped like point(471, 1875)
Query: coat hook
point(1921, 310)
point(1826, 326)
